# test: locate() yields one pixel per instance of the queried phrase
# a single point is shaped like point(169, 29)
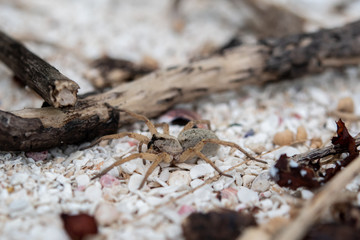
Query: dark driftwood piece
point(269, 60)
point(56, 89)
point(322, 152)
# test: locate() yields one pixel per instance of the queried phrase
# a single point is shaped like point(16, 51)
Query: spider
point(162, 147)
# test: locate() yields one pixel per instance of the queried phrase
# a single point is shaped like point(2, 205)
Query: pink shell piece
point(186, 210)
point(108, 181)
point(37, 156)
point(132, 143)
point(181, 113)
point(228, 193)
point(81, 188)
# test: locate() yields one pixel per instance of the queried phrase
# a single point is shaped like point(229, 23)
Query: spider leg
point(233, 145)
point(192, 123)
point(137, 136)
point(165, 127)
point(160, 158)
point(147, 156)
point(148, 123)
point(195, 151)
point(203, 157)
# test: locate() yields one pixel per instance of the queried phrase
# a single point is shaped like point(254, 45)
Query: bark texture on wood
point(56, 89)
point(53, 127)
point(322, 152)
point(269, 60)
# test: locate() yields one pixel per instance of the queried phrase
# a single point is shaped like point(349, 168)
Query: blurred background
point(71, 35)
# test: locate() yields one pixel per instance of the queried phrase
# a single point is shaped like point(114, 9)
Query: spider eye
point(151, 143)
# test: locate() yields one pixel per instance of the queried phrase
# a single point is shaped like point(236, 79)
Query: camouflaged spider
point(162, 147)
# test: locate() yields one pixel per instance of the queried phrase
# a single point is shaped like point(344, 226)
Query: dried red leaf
point(79, 226)
point(293, 175)
point(222, 224)
point(345, 140)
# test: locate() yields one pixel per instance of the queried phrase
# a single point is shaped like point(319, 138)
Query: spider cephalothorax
point(165, 143)
point(162, 147)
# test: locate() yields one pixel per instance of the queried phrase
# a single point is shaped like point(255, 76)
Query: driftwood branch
point(56, 89)
point(269, 60)
point(322, 152)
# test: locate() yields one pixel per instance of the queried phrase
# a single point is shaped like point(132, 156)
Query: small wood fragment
point(55, 88)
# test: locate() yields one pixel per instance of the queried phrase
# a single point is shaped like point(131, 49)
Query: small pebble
point(316, 143)
point(200, 170)
point(196, 182)
point(228, 193)
point(249, 133)
point(283, 138)
point(246, 195)
point(37, 156)
point(266, 204)
point(82, 180)
point(306, 194)
point(106, 214)
point(346, 104)
point(19, 178)
point(228, 197)
point(93, 193)
point(301, 134)
point(179, 178)
point(134, 182)
point(247, 180)
point(185, 210)
point(108, 181)
point(18, 205)
point(319, 96)
point(288, 150)
point(261, 183)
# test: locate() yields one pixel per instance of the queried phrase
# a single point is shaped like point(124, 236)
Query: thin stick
point(56, 89)
point(321, 152)
point(313, 209)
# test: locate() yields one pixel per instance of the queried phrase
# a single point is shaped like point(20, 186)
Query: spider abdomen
point(189, 138)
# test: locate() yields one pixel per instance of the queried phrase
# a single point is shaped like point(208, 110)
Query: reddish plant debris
point(345, 224)
point(220, 224)
point(292, 175)
point(185, 210)
point(345, 142)
point(108, 181)
point(345, 212)
point(332, 231)
point(288, 173)
point(79, 226)
point(37, 156)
